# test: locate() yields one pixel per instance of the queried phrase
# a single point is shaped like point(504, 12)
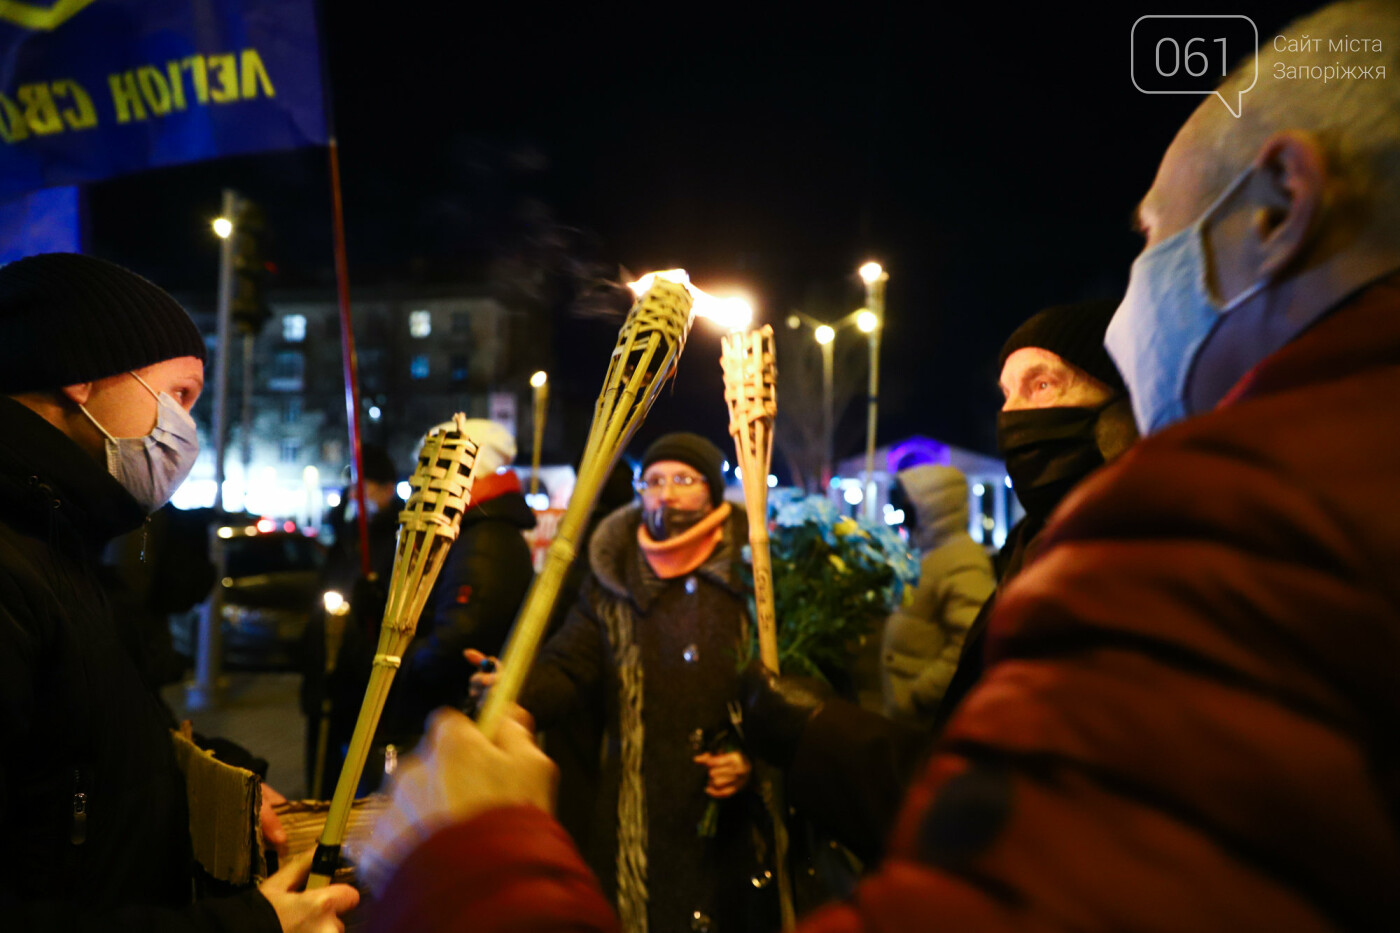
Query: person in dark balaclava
point(1066, 413)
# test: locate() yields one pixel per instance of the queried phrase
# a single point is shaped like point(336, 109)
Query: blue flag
point(95, 88)
point(43, 222)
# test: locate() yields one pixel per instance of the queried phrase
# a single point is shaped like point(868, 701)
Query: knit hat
point(1075, 334)
point(495, 445)
point(69, 318)
point(692, 450)
point(379, 466)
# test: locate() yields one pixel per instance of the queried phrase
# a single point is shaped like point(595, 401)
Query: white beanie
point(495, 445)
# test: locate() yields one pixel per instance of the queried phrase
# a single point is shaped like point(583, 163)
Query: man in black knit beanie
point(99, 369)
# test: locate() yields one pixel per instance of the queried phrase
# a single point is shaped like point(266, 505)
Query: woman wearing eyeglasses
point(652, 648)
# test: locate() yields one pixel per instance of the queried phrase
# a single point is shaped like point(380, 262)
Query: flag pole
point(350, 361)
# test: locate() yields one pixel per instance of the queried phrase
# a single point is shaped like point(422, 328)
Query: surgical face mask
point(151, 468)
point(1048, 451)
point(1165, 319)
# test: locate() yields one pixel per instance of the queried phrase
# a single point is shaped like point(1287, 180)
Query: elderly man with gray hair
point(1189, 716)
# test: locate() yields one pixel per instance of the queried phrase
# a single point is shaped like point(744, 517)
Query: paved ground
point(260, 712)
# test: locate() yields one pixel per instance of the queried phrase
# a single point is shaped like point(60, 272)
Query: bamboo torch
point(751, 392)
point(647, 349)
point(427, 527)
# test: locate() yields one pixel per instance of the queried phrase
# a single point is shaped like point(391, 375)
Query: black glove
point(776, 711)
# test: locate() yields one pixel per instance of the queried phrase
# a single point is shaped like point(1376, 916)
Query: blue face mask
point(152, 467)
point(1165, 318)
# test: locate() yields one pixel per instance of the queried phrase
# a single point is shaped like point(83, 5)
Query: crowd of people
point(1166, 704)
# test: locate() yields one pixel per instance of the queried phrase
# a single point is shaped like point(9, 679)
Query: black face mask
point(666, 521)
point(1048, 451)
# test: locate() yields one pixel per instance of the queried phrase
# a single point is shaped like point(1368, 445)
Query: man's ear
point(78, 393)
point(1294, 170)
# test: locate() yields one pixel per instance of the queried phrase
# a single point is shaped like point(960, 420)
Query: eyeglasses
point(680, 481)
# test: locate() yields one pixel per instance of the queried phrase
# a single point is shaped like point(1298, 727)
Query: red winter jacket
point(1191, 720)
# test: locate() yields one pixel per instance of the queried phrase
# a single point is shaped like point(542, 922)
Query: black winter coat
point(92, 806)
point(681, 640)
point(473, 605)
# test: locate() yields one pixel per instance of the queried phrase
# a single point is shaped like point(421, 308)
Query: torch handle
point(327, 856)
point(763, 592)
point(525, 638)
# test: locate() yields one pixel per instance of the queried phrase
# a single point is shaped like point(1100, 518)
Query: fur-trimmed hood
point(614, 555)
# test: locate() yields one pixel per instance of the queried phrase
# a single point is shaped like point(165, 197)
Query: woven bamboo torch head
point(653, 335)
point(442, 481)
point(750, 379)
point(429, 522)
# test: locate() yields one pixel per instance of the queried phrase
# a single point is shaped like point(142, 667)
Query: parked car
point(269, 589)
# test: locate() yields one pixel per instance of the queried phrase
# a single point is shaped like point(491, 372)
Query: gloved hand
point(776, 711)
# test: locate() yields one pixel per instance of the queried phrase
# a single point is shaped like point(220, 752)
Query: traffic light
point(248, 303)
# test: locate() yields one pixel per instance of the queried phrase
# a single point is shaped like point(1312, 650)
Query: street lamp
point(540, 383)
point(826, 339)
point(871, 322)
point(223, 227)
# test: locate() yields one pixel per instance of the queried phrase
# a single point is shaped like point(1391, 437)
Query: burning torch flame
point(730, 313)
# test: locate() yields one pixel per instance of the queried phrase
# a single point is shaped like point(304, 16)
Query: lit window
point(418, 367)
point(291, 450)
point(288, 371)
point(294, 328)
point(420, 323)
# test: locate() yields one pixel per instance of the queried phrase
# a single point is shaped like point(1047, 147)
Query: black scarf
point(1048, 451)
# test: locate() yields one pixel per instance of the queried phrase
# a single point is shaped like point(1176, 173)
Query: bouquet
point(834, 578)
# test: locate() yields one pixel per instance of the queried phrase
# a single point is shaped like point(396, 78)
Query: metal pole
point(230, 210)
point(539, 411)
point(246, 421)
point(828, 415)
point(204, 691)
point(875, 298)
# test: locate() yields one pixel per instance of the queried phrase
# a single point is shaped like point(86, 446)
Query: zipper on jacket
point(78, 835)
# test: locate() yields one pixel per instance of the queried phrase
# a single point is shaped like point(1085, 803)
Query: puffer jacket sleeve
point(923, 642)
point(1182, 714)
point(509, 869)
point(962, 591)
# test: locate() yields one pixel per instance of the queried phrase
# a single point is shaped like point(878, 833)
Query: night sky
point(988, 157)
